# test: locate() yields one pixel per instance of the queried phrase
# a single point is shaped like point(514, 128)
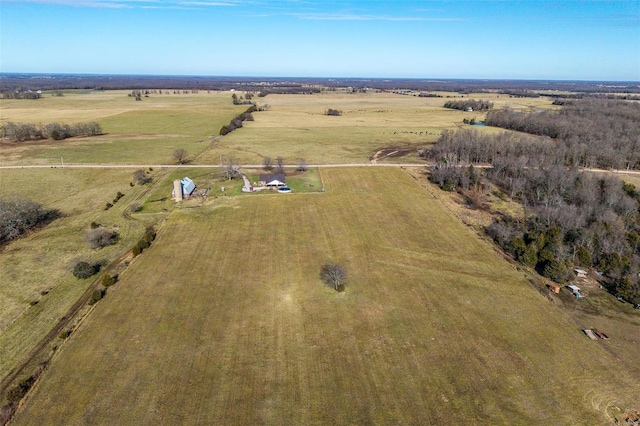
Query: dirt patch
point(392, 152)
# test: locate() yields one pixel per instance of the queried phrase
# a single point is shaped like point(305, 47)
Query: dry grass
point(224, 320)
point(296, 126)
point(37, 268)
point(144, 132)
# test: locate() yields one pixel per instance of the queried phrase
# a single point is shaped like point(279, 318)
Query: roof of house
point(574, 287)
point(271, 177)
point(188, 186)
point(580, 271)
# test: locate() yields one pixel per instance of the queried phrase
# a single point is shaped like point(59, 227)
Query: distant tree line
point(21, 132)
point(24, 82)
point(571, 218)
point(466, 104)
point(18, 215)
point(236, 122)
point(520, 93)
point(588, 132)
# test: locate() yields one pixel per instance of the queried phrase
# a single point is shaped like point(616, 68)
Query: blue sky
point(492, 39)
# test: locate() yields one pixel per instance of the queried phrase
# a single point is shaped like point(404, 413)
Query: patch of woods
point(333, 112)
point(19, 215)
point(22, 132)
point(571, 218)
point(469, 105)
point(584, 133)
point(236, 122)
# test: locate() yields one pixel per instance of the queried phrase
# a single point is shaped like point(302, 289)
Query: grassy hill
point(224, 321)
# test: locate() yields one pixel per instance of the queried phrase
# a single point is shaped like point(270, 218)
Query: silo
point(177, 190)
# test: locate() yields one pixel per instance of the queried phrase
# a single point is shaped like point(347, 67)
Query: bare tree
point(230, 170)
point(180, 155)
point(267, 163)
point(140, 177)
point(334, 275)
point(101, 237)
point(280, 164)
point(302, 165)
point(18, 215)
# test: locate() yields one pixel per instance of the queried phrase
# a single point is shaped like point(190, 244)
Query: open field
point(135, 132)
point(225, 321)
point(37, 284)
point(296, 126)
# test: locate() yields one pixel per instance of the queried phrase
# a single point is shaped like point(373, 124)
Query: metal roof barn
point(188, 186)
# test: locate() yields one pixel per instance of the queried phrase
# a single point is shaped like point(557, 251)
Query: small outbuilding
point(182, 188)
point(574, 289)
point(273, 180)
point(580, 273)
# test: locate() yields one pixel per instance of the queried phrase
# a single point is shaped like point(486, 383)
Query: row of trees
point(469, 104)
point(242, 100)
point(236, 122)
point(19, 94)
point(571, 218)
point(588, 132)
point(21, 132)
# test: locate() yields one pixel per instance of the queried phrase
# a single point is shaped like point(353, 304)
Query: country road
point(259, 166)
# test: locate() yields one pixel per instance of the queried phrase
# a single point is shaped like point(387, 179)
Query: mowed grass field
point(224, 321)
point(144, 132)
point(296, 126)
point(35, 271)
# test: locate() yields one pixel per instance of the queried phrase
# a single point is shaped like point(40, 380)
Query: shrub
point(108, 206)
point(16, 393)
point(95, 225)
point(83, 270)
point(96, 296)
point(101, 237)
point(136, 250)
point(149, 236)
point(64, 334)
point(135, 207)
point(108, 280)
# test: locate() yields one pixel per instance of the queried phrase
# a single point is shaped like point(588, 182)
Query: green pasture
point(37, 285)
point(144, 132)
point(224, 320)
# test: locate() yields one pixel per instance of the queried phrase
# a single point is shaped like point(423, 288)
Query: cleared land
point(225, 321)
point(135, 132)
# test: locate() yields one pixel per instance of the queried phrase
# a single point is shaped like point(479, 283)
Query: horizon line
point(438, 79)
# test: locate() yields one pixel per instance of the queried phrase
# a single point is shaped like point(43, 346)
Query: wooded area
point(588, 132)
point(572, 218)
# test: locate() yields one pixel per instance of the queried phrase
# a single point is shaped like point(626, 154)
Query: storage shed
point(580, 273)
